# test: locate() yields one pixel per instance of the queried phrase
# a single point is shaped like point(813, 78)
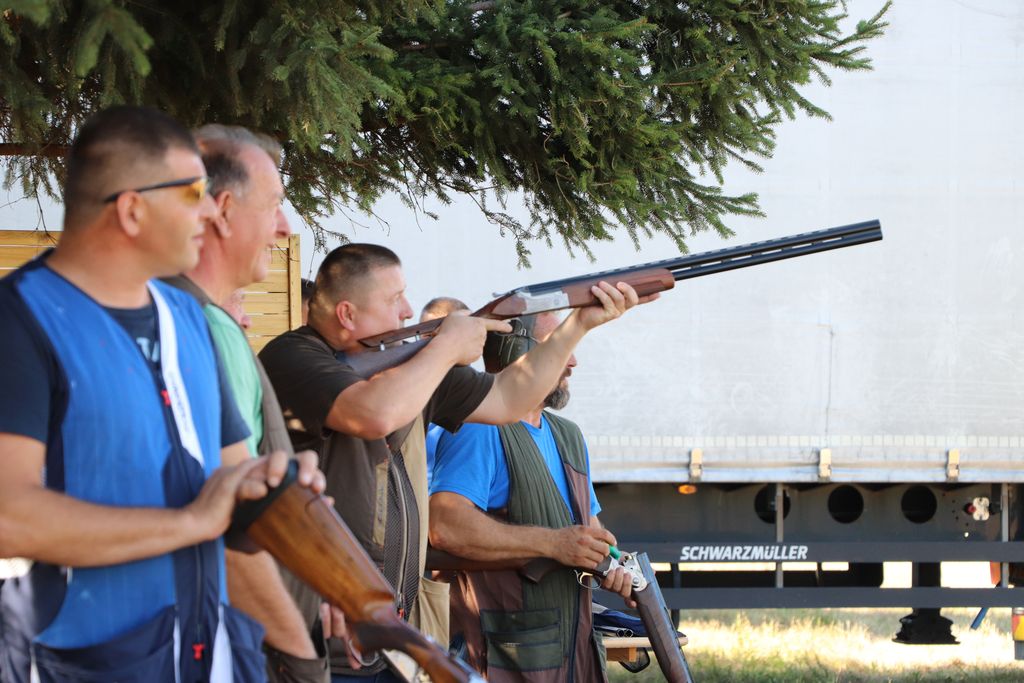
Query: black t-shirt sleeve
point(28, 373)
point(232, 426)
point(307, 378)
point(460, 393)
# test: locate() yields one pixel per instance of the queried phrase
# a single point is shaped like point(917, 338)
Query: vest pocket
point(143, 655)
point(528, 640)
point(286, 668)
point(433, 610)
point(246, 636)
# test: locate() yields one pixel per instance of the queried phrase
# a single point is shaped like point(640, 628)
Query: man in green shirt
point(236, 356)
point(246, 186)
point(248, 192)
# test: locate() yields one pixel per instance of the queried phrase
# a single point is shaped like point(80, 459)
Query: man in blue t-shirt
point(471, 512)
point(470, 477)
point(114, 416)
point(438, 307)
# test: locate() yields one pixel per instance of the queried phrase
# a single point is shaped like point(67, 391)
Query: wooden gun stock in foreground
point(646, 279)
point(304, 533)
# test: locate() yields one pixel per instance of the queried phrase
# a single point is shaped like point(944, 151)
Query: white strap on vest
point(180, 406)
point(221, 668)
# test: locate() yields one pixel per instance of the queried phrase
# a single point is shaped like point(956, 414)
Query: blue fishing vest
point(119, 445)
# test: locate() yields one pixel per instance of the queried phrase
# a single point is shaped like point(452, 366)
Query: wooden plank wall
point(274, 305)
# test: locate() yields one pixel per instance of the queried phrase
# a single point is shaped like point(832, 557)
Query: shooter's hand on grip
point(464, 336)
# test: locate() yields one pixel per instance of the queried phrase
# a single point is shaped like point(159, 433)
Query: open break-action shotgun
point(646, 279)
point(644, 589)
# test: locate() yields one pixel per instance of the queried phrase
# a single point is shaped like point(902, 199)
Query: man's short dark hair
point(440, 306)
point(306, 289)
point(109, 145)
point(343, 272)
point(222, 147)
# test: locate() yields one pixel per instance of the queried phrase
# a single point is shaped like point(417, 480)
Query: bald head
point(544, 324)
point(440, 307)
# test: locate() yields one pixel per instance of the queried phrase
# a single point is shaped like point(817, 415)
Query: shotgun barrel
point(645, 278)
point(733, 258)
point(650, 603)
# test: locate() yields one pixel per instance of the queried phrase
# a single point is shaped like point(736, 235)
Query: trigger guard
point(587, 580)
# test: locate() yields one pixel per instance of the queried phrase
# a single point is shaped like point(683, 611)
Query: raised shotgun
point(645, 278)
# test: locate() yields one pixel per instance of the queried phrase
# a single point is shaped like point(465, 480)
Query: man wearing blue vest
point(114, 418)
point(523, 490)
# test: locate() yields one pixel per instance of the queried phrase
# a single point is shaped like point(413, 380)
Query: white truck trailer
point(858, 407)
point(861, 406)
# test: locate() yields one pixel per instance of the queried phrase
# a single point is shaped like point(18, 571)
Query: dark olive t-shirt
point(367, 478)
point(308, 376)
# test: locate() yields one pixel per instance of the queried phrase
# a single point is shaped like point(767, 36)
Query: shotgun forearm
point(660, 630)
point(646, 592)
point(304, 533)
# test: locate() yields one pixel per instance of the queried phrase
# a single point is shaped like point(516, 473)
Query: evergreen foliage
point(602, 113)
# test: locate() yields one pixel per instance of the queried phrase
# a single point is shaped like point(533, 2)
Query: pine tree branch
point(606, 121)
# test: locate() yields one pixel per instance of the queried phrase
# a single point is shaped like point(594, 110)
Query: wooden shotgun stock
point(304, 533)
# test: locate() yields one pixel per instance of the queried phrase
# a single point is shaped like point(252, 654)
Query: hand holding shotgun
point(645, 279)
point(645, 592)
point(302, 531)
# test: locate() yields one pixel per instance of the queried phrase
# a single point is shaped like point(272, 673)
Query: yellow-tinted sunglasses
point(195, 188)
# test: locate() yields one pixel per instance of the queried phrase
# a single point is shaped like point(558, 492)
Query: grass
point(844, 645)
point(836, 645)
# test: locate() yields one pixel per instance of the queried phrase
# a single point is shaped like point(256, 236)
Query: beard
point(558, 398)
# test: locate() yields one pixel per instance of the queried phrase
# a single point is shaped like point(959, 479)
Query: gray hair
point(221, 146)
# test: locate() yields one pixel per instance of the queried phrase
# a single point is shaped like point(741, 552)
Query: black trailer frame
point(863, 525)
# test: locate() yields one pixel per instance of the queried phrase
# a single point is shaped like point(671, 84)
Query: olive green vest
point(517, 630)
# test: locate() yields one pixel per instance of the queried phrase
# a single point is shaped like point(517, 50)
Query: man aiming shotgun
point(646, 279)
point(369, 432)
point(367, 424)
